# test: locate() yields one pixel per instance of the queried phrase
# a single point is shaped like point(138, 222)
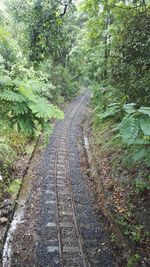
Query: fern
point(27, 92)
point(145, 110)
point(40, 106)
point(145, 125)
point(139, 154)
point(20, 109)
point(140, 141)
point(28, 109)
point(129, 108)
point(12, 97)
point(26, 124)
point(42, 109)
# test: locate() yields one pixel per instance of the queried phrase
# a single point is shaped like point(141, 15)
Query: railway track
point(68, 230)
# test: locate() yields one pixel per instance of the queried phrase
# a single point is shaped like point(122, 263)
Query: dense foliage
point(35, 40)
point(116, 48)
point(114, 43)
point(37, 71)
point(47, 48)
point(50, 48)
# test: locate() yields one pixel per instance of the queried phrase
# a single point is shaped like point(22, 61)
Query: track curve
point(66, 231)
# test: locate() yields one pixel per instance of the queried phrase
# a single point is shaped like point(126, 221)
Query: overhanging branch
point(65, 7)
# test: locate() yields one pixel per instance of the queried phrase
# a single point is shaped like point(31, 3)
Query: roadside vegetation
point(116, 47)
point(37, 76)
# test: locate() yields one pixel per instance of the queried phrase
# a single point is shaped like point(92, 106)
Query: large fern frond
point(12, 96)
point(18, 109)
point(145, 125)
point(26, 124)
point(129, 108)
point(27, 92)
point(145, 110)
point(42, 109)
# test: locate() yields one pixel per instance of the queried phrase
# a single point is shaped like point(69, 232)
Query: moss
point(14, 187)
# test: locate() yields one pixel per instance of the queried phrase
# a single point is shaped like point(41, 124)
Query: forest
point(52, 50)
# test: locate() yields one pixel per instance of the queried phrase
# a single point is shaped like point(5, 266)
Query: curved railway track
point(68, 231)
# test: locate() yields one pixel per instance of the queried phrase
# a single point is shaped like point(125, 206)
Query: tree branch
point(128, 7)
point(65, 10)
point(65, 7)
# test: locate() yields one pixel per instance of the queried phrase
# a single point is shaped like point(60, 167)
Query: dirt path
point(60, 226)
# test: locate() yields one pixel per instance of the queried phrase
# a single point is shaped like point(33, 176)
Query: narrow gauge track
point(67, 194)
point(68, 230)
point(70, 244)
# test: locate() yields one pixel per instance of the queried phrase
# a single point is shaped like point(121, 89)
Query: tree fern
point(18, 109)
point(12, 96)
point(42, 109)
point(29, 109)
point(27, 92)
point(26, 124)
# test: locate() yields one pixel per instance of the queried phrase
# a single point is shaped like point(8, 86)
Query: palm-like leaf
point(129, 129)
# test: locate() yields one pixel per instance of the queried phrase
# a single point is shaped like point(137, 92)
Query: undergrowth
point(131, 182)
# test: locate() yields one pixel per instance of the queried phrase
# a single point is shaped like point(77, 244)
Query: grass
point(14, 187)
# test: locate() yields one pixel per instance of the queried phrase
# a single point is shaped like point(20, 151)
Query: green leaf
point(12, 96)
point(116, 104)
point(145, 110)
point(129, 108)
point(139, 153)
point(42, 109)
point(110, 112)
point(129, 129)
point(26, 124)
point(20, 109)
point(145, 125)
point(27, 92)
point(142, 154)
point(140, 142)
point(14, 186)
